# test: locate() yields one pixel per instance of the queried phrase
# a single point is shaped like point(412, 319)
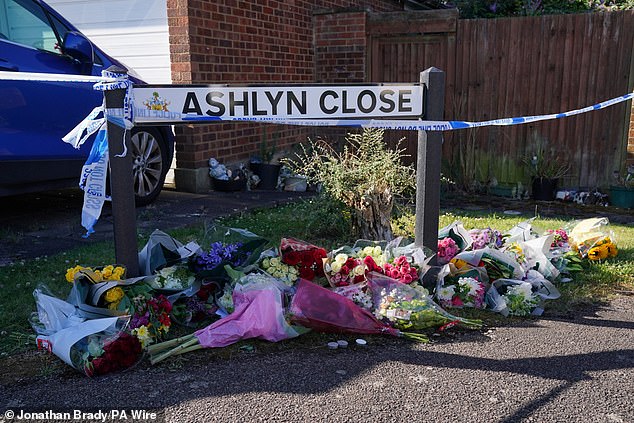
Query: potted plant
point(545, 168)
point(622, 191)
point(263, 167)
point(224, 179)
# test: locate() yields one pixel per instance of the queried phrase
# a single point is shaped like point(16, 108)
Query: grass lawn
point(310, 222)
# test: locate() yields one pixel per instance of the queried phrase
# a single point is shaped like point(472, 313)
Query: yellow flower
point(143, 334)
point(114, 306)
point(459, 263)
point(612, 250)
point(118, 273)
point(598, 253)
point(107, 271)
point(70, 273)
point(114, 295)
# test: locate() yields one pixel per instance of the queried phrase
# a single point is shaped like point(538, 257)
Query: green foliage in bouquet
point(364, 176)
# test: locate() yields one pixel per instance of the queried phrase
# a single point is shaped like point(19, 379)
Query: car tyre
point(151, 159)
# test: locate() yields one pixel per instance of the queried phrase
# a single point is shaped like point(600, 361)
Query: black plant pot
point(268, 174)
point(544, 189)
point(230, 185)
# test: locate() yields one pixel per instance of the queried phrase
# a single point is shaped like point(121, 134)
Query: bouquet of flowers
point(358, 294)
point(219, 255)
point(403, 307)
point(447, 250)
point(173, 278)
point(468, 292)
point(520, 297)
point(284, 272)
point(323, 310)
point(593, 239)
point(560, 239)
point(344, 269)
point(486, 238)
point(192, 311)
point(151, 319)
point(307, 258)
point(94, 347)
point(98, 274)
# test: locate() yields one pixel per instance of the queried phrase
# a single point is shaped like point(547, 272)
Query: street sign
point(204, 104)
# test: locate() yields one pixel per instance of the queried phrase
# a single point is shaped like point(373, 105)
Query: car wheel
point(150, 163)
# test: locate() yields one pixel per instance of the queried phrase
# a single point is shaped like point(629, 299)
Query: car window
point(25, 22)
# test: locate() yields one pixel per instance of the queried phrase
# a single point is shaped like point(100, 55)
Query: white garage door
point(133, 31)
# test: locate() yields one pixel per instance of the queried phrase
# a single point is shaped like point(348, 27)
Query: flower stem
point(413, 336)
point(161, 346)
point(174, 351)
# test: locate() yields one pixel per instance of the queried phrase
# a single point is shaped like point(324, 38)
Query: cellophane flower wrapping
point(458, 234)
point(593, 239)
point(95, 347)
point(305, 257)
point(359, 293)
point(406, 308)
point(323, 310)
point(512, 297)
point(259, 312)
point(162, 250)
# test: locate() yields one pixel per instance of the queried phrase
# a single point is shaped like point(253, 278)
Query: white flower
point(472, 283)
point(524, 289)
point(359, 270)
point(341, 258)
point(446, 293)
point(336, 267)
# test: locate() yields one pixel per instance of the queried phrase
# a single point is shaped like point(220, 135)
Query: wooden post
point(428, 158)
point(122, 189)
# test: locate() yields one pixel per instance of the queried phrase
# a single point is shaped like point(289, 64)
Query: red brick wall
point(230, 41)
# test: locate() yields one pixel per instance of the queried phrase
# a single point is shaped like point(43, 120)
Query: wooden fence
point(518, 67)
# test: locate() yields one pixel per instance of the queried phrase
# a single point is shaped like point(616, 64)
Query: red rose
point(307, 273)
point(359, 278)
point(292, 258)
point(319, 254)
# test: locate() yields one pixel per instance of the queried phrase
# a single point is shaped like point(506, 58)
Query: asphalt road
point(543, 370)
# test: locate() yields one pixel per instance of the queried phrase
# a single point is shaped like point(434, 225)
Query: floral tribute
point(447, 250)
point(106, 354)
point(221, 254)
point(376, 287)
point(468, 292)
point(151, 320)
point(307, 258)
point(284, 272)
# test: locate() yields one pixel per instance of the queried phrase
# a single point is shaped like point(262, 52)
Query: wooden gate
point(403, 44)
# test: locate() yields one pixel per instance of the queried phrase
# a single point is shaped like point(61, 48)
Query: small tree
point(365, 176)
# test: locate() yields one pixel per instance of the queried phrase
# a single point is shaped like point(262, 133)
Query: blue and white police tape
point(53, 77)
point(408, 124)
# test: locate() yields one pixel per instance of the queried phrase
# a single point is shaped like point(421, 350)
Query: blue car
point(34, 116)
